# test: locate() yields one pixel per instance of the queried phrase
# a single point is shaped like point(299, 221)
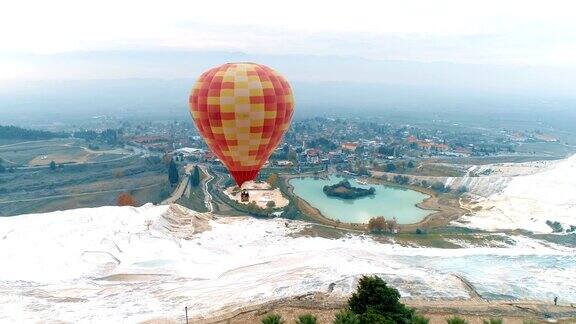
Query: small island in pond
point(343, 189)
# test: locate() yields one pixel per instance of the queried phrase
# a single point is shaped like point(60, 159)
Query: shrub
point(439, 187)
point(556, 226)
point(346, 317)
point(306, 319)
point(372, 317)
point(374, 296)
point(126, 199)
point(272, 319)
point(419, 319)
point(377, 224)
point(402, 180)
point(456, 320)
point(392, 225)
point(493, 321)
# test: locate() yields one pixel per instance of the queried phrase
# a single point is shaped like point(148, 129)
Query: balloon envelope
point(242, 110)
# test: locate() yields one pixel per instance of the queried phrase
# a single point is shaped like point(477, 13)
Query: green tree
point(272, 319)
point(373, 317)
point(173, 176)
point(346, 317)
point(390, 167)
point(375, 296)
point(270, 204)
point(307, 319)
point(52, 165)
point(195, 179)
point(456, 320)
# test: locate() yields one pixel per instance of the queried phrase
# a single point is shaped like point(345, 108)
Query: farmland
point(82, 177)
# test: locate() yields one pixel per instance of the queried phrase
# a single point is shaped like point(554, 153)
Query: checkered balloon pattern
point(242, 110)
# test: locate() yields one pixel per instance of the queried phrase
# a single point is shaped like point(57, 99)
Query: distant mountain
point(154, 84)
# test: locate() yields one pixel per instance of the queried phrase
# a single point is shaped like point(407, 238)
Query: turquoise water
point(387, 201)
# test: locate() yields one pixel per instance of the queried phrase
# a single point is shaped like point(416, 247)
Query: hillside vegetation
point(14, 132)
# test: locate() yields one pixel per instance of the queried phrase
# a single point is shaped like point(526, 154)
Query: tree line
point(14, 132)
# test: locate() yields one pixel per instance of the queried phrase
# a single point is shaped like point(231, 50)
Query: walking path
point(207, 195)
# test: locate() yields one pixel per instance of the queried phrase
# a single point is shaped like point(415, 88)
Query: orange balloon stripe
point(242, 110)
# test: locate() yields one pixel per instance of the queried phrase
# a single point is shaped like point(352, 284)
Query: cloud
point(490, 31)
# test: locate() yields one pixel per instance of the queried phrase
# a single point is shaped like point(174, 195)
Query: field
point(61, 151)
point(194, 197)
point(86, 178)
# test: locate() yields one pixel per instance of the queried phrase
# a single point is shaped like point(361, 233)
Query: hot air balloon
point(242, 110)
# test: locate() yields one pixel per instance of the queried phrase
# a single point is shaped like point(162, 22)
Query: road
point(184, 184)
point(207, 195)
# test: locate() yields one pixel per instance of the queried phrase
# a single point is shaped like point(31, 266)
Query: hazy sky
point(495, 32)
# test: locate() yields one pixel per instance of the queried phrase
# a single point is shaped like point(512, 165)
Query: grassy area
point(76, 186)
point(436, 170)
point(40, 153)
point(196, 198)
point(552, 149)
point(4, 141)
point(142, 196)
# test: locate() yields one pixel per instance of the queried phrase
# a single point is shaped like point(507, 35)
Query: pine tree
point(195, 180)
point(173, 173)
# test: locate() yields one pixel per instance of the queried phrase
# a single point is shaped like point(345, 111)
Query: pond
point(387, 201)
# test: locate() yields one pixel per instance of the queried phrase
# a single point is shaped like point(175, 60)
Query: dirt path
point(207, 194)
point(79, 195)
point(475, 311)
